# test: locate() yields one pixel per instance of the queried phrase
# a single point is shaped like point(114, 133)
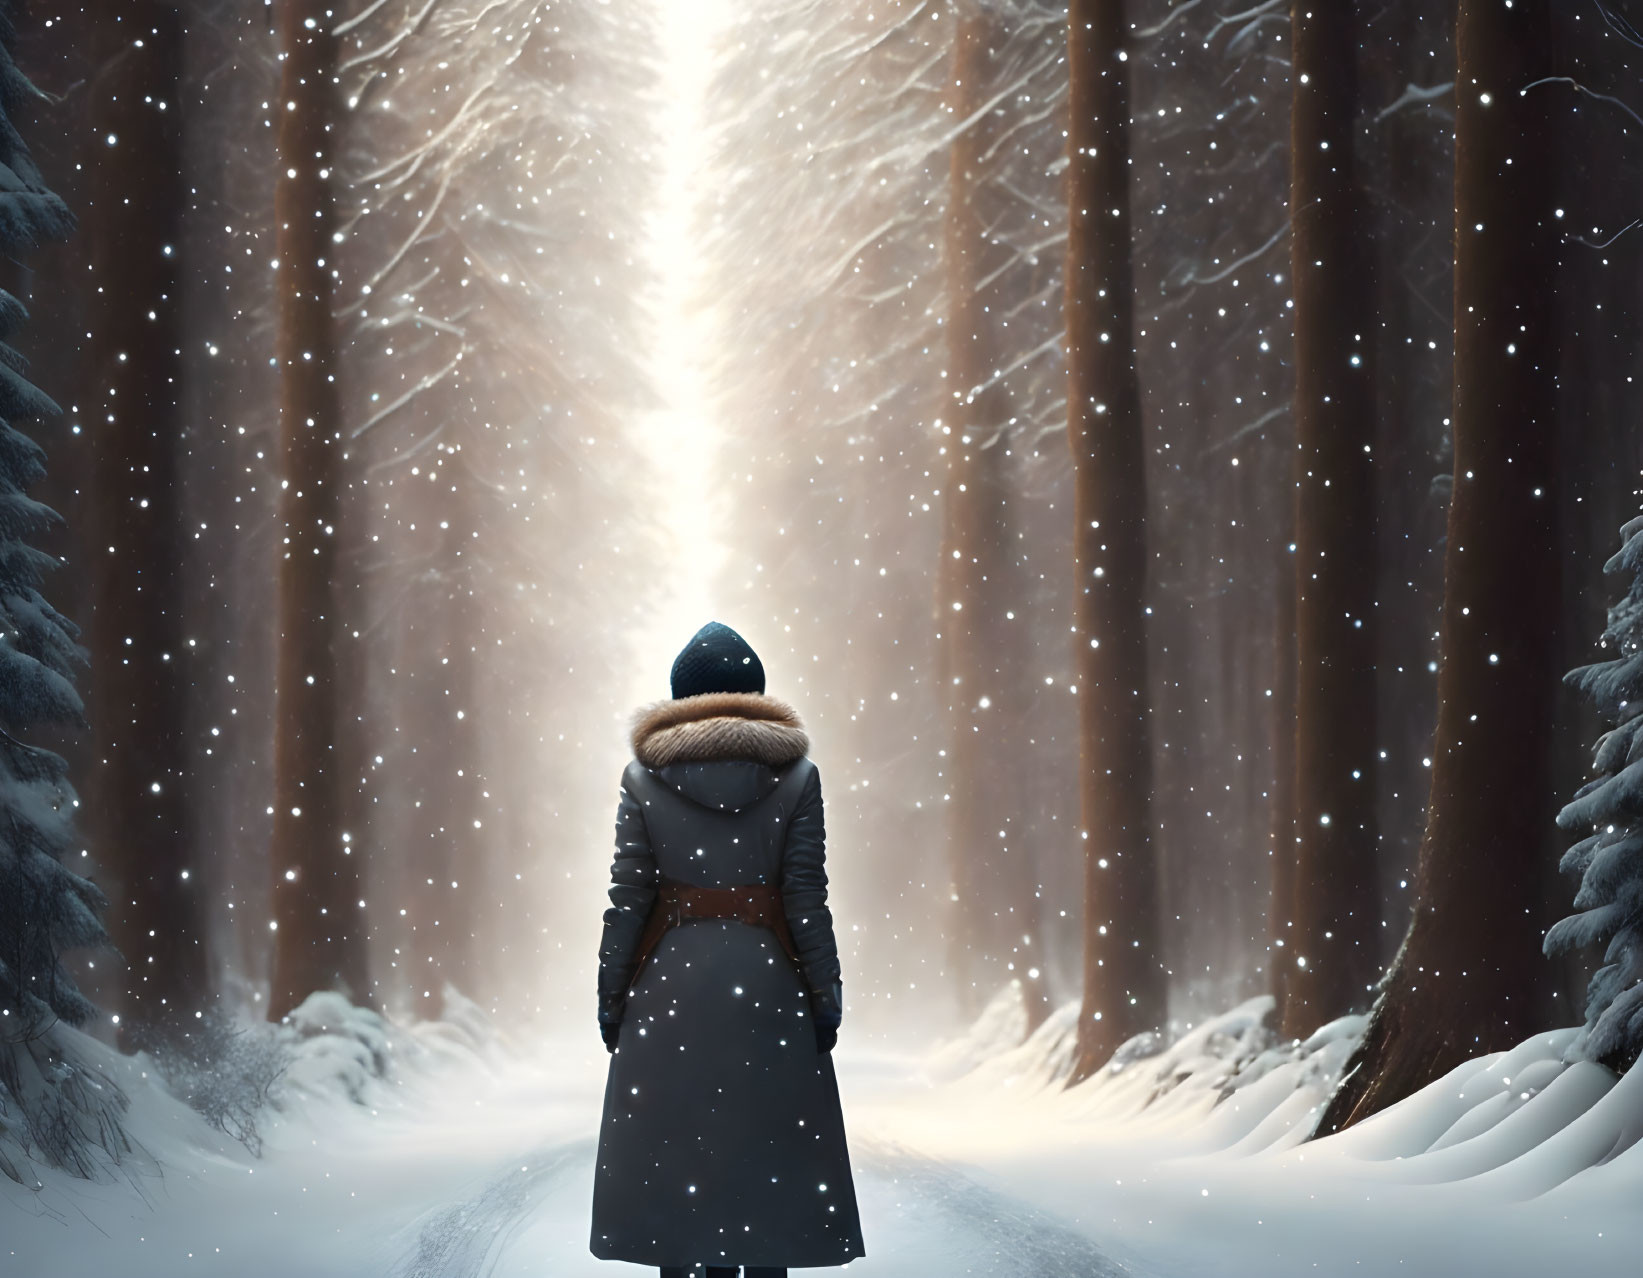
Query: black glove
point(612, 1009)
point(827, 1010)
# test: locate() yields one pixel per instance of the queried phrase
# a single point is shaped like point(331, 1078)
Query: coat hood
point(719, 749)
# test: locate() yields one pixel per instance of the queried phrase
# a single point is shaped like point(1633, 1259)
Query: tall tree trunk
point(359, 733)
point(1469, 977)
point(1281, 801)
point(139, 697)
point(1124, 986)
point(1332, 944)
point(979, 611)
point(320, 938)
point(1408, 161)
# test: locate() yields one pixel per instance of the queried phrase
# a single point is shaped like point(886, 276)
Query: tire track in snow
point(467, 1240)
point(990, 1233)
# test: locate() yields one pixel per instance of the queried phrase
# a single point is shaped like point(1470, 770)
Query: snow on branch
point(1248, 22)
point(1620, 26)
point(1414, 94)
point(1603, 244)
point(1193, 278)
point(1252, 428)
point(1608, 812)
point(1581, 88)
point(1169, 20)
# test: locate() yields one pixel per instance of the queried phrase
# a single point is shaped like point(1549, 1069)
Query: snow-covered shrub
point(1319, 1057)
point(337, 1047)
point(1608, 810)
point(223, 1070)
point(336, 1050)
point(1138, 1047)
point(58, 1109)
point(1209, 1055)
point(1227, 1081)
point(1224, 1054)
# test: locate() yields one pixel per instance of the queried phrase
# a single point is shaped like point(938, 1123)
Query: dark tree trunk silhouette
point(1331, 952)
point(320, 938)
point(1281, 798)
point(1124, 987)
point(1407, 160)
point(981, 649)
point(138, 697)
point(1469, 977)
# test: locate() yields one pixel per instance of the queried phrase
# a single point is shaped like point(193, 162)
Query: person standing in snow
point(722, 1140)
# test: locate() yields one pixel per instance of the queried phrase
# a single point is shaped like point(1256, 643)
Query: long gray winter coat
point(722, 1140)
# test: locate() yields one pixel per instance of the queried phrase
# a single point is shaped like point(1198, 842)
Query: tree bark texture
point(1407, 160)
point(979, 609)
point(320, 942)
point(1469, 977)
point(360, 736)
point(1281, 798)
point(1331, 949)
point(138, 698)
point(1124, 986)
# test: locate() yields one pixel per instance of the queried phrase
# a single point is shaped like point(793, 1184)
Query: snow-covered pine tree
point(45, 908)
point(1609, 810)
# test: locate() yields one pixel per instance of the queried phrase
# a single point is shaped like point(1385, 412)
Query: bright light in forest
point(681, 440)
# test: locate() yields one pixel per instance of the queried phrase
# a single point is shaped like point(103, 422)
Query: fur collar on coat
point(718, 725)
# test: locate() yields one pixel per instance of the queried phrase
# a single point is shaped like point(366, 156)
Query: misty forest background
point(354, 336)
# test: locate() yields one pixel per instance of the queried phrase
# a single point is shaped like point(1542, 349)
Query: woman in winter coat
point(722, 1141)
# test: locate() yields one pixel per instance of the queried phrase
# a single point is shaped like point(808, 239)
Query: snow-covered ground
point(474, 1157)
point(1515, 1164)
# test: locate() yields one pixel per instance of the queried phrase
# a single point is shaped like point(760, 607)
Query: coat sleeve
point(804, 889)
point(632, 892)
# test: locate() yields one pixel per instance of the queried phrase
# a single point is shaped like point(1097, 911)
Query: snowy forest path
point(923, 1216)
point(981, 1230)
point(467, 1239)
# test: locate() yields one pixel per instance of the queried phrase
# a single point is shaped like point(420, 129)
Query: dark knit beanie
point(716, 659)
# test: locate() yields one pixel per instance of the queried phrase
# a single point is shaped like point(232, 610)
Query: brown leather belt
point(759, 904)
